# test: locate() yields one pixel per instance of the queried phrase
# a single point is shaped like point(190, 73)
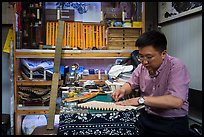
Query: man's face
point(151, 58)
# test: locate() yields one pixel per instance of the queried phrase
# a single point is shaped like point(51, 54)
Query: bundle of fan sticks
point(81, 98)
point(99, 105)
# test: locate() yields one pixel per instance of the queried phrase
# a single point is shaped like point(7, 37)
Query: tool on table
point(81, 98)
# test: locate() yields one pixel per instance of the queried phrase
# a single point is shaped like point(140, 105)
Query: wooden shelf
point(38, 53)
point(34, 110)
point(36, 82)
point(123, 28)
point(31, 112)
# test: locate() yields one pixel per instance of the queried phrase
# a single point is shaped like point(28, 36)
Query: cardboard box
point(136, 24)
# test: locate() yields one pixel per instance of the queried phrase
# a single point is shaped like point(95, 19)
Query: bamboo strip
point(47, 29)
point(56, 31)
point(100, 36)
point(93, 35)
point(87, 44)
point(96, 36)
point(65, 35)
point(78, 34)
point(82, 38)
point(68, 34)
point(75, 36)
point(103, 36)
point(81, 35)
point(53, 34)
point(90, 37)
point(50, 33)
point(72, 34)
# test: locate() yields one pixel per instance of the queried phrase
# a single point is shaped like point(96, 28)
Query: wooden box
point(120, 38)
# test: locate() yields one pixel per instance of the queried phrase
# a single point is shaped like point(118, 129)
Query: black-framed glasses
point(142, 58)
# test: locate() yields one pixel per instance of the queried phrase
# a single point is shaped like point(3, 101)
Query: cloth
point(111, 123)
point(171, 78)
point(116, 70)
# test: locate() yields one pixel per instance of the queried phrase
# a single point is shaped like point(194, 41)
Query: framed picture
point(171, 10)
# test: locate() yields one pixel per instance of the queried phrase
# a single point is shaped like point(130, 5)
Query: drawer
point(132, 32)
point(113, 39)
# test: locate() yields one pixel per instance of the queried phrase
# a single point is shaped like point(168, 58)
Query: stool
point(42, 130)
point(5, 121)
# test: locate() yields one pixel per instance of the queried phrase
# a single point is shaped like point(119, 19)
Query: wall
point(6, 13)
point(6, 84)
point(185, 42)
point(184, 36)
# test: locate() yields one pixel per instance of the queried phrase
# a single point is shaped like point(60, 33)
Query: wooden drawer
point(114, 39)
point(132, 32)
point(115, 43)
point(129, 43)
point(115, 32)
point(130, 39)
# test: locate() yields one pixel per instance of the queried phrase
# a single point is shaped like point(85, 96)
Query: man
point(163, 81)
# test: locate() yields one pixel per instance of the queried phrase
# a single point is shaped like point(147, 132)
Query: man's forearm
point(166, 101)
point(127, 88)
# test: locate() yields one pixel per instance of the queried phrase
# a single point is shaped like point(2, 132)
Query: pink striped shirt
point(172, 78)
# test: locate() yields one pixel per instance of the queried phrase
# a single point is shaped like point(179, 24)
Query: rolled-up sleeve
point(134, 79)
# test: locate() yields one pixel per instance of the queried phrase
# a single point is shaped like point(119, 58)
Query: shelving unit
point(66, 56)
point(127, 38)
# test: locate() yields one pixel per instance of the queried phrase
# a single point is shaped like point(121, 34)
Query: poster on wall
point(172, 10)
point(83, 11)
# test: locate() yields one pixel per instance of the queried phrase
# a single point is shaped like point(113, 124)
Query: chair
point(5, 124)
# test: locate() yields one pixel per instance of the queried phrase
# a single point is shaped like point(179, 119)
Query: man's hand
point(128, 102)
point(118, 93)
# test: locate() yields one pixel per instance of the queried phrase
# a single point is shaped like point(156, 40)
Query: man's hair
point(152, 38)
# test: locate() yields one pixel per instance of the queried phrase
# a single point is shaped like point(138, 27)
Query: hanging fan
point(30, 122)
